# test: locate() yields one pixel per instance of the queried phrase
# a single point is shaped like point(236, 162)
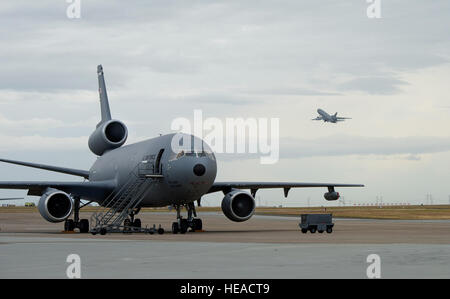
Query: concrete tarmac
point(264, 247)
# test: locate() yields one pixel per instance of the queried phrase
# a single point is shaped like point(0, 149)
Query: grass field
point(387, 212)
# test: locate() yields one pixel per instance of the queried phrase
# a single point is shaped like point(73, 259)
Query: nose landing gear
point(182, 225)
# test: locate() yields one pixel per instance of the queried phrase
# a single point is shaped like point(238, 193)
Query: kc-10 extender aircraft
point(144, 174)
point(329, 118)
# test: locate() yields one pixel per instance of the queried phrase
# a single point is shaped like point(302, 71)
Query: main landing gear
point(71, 224)
point(182, 225)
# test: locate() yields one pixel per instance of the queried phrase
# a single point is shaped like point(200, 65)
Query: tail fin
point(335, 114)
point(104, 104)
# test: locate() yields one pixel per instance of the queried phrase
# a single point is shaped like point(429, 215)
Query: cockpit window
point(193, 154)
point(190, 146)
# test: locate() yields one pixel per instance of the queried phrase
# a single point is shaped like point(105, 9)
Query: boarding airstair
point(119, 205)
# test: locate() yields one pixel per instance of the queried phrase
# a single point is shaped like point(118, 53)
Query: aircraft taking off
point(329, 118)
point(149, 173)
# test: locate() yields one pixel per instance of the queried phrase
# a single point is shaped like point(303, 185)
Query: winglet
point(104, 104)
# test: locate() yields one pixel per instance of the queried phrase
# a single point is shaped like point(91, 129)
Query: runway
point(264, 247)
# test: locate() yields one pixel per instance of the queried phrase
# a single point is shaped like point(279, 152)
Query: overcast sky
point(163, 59)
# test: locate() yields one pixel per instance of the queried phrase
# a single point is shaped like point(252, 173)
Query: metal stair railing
point(119, 205)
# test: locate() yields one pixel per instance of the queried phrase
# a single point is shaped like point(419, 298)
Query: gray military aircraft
point(144, 174)
point(329, 118)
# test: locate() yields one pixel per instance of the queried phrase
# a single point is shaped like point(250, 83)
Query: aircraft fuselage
point(179, 182)
point(326, 117)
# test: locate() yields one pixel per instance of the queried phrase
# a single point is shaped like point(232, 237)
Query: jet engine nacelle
point(55, 205)
point(331, 196)
point(109, 135)
point(238, 205)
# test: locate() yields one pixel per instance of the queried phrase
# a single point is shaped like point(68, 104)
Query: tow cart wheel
point(198, 225)
point(84, 226)
point(103, 231)
point(312, 230)
point(304, 230)
point(137, 223)
point(160, 231)
point(320, 231)
point(126, 224)
point(329, 230)
point(175, 228)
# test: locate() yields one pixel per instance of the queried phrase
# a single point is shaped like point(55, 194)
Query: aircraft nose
point(199, 169)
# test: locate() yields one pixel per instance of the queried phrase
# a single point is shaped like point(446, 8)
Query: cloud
point(403, 148)
point(35, 123)
point(290, 91)
point(359, 145)
point(374, 85)
point(162, 59)
point(38, 143)
point(220, 99)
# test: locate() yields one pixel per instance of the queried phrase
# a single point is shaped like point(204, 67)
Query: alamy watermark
point(374, 9)
point(73, 11)
point(374, 268)
point(74, 268)
point(234, 135)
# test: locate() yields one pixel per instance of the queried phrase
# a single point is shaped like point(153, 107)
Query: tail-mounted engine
point(108, 135)
point(238, 205)
point(55, 205)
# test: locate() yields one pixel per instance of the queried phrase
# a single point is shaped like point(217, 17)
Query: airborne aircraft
point(145, 174)
point(329, 118)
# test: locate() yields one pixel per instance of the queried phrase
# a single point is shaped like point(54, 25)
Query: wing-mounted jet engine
point(331, 194)
point(55, 205)
point(109, 134)
point(238, 205)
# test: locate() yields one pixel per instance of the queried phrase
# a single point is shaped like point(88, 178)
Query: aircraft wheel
point(84, 226)
point(184, 226)
point(175, 228)
point(69, 225)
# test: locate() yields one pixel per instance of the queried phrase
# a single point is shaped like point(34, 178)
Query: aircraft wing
point(76, 172)
point(86, 190)
point(342, 118)
point(254, 186)
point(318, 118)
